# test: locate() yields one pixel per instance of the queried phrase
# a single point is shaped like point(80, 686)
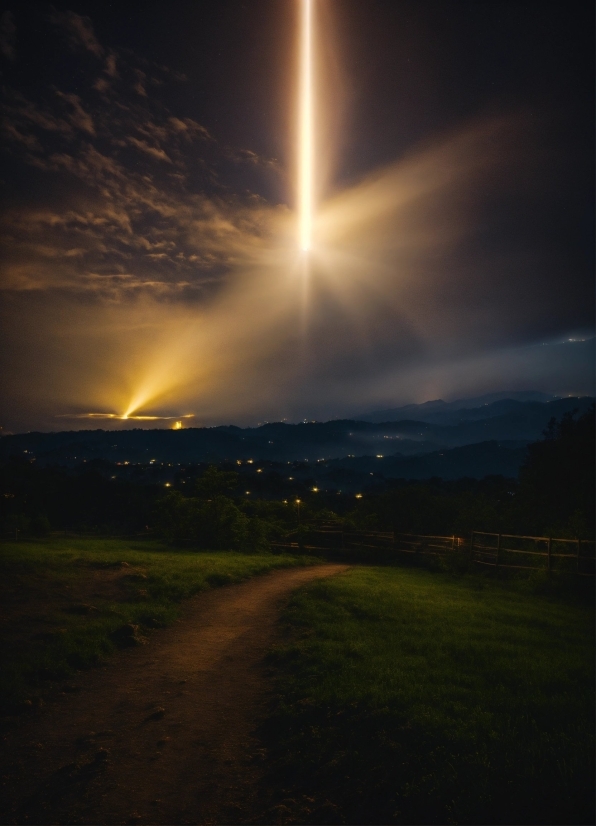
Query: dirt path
point(164, 732)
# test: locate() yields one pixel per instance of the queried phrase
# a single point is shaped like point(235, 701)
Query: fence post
point(578, 547)
point(498, 549)
point(453, 542)
point(472, 546)
point(548, 549)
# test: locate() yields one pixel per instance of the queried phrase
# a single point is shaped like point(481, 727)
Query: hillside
point(509, 423)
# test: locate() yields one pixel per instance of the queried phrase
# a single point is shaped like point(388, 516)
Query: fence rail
point(571, 555)
point(496, 550)
point(490, 549)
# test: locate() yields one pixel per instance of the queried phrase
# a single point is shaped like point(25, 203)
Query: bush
point(217, 524)
point(40, 525)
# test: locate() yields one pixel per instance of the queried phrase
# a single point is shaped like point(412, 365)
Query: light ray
point(305, 130)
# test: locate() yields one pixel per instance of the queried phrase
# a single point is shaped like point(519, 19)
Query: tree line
point(553, 495)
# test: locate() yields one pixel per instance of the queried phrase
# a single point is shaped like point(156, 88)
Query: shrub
point(216, 524)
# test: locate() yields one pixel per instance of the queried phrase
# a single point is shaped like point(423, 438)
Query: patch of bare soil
point(31, 605)
point(165, 733)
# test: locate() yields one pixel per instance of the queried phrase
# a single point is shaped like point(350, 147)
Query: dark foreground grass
point(68, 604)
point(413, 697)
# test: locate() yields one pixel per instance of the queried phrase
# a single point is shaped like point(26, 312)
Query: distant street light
point(298, 506)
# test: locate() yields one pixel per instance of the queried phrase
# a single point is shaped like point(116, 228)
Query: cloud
point(165, 239)
point(23, 115)
point(13, 134)
point(102, 84)
point(109, 74)
point(77, 116)
point(142, 223)
point(189, 128)
point(139, 86)
point(8, 32)
point(153, 151)
point(250, 158)
point(111, 64)
point(79, 31)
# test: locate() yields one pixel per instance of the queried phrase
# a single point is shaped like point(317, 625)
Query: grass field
point(68, 604)
point(408, 696)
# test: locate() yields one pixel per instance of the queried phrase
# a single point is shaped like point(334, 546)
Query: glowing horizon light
point(305, 129)
point(127, 417)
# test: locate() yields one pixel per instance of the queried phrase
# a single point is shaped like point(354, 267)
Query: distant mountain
point(475, 461)
point(520, 420)
point(440, 412)
point(508, 423)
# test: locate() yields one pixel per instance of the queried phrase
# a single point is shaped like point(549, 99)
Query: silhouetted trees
point(556, 490)
point(437, 507)
point(35, 499)
point(210, 519)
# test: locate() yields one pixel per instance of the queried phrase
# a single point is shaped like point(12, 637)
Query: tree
point(210, 520)
point(215, 482)
point(557, 479)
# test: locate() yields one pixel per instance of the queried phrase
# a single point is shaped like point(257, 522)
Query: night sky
point(148, 202)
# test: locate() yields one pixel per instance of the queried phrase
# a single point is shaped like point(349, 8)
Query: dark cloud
point(8, 32)
point(142, 220)
point(78, 30)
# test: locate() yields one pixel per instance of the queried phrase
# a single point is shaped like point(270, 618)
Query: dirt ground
point(165, 733)
point(31, 605)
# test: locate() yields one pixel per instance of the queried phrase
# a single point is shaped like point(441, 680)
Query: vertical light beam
point(305, 136)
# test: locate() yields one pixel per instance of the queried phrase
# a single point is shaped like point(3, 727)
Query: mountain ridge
point(439, 408)
point(520, 424)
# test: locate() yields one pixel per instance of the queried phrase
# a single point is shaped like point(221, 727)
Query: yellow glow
point(305, 129)
point(126, 417)
point(378, 249)
point(358, 496)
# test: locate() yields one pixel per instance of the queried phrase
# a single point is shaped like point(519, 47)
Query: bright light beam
point(305, 132)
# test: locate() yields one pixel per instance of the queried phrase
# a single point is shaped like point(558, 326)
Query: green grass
point(62, 600)
point(408, 696)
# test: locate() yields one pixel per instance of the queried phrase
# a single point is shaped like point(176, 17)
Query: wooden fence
point(496, 550)
point(502, 550)
point(489, 549)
